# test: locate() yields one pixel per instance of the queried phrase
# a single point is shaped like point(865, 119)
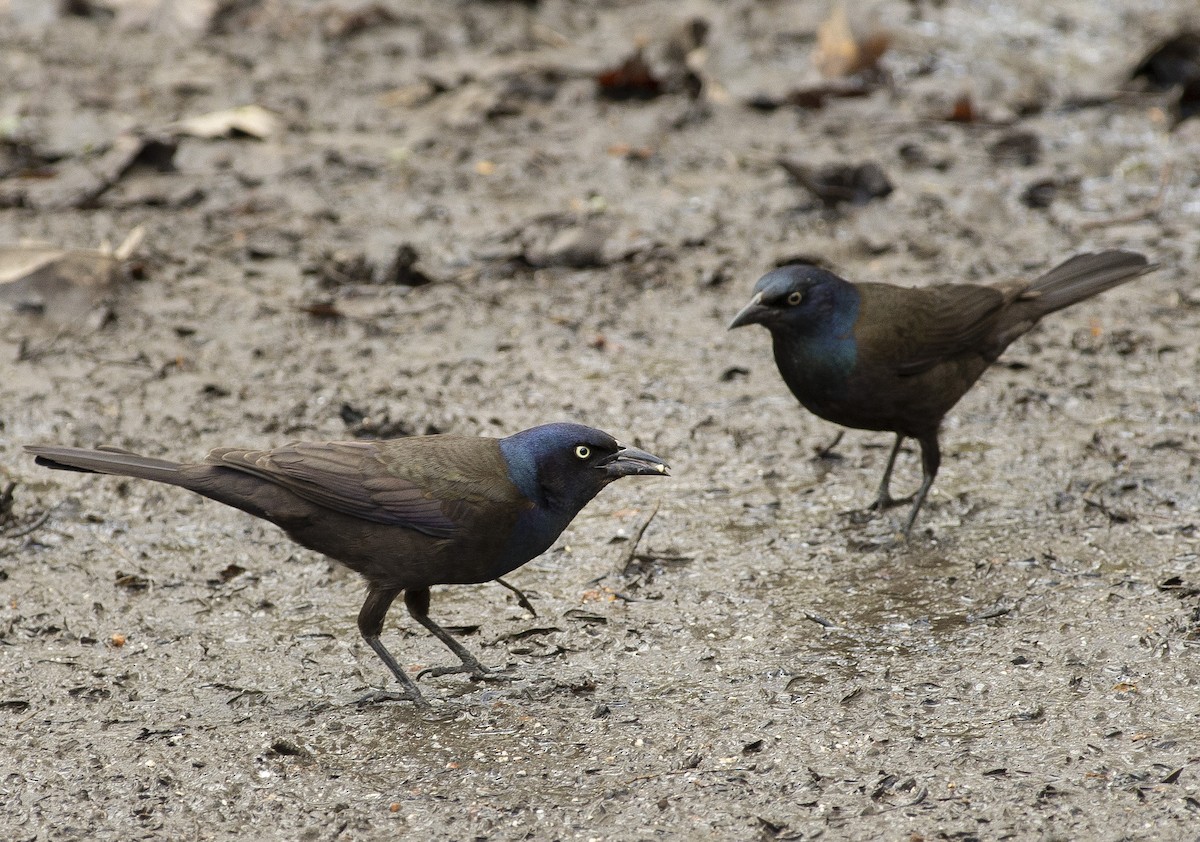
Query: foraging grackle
point(405, 513)
point(882, 357)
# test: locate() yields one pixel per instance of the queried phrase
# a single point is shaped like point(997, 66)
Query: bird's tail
point(106, 460)
point(1083, 276)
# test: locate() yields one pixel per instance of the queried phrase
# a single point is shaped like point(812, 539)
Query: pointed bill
point(629, 461)
point(749, 314)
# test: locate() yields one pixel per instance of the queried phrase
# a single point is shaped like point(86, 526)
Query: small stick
point(633, 545)
point(33, 527)
point(1145, 212)
point(997, 610)
point(1113, 516)
point(819, 620)
point(522, 600)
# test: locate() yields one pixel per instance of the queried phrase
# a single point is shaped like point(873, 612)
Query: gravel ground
point(761, 664)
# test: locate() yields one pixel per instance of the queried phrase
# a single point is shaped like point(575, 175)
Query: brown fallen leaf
point(840, 53)
point(346, 23)
point(963, 110)
point(633, 153)
point(244, 121)
point(838, 183)
point(324, 310)
point(631, 79)
point(62, 284)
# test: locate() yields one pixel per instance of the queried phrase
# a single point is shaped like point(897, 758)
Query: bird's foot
point(887, 501)
point(379, 696)
point(879, 504)
point(522, 600)
point(473, 669)
point(860, 516)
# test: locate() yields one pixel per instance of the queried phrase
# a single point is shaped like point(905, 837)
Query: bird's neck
point(816, 357)
point(562, 496)
point(551, 504)
point(536, 529)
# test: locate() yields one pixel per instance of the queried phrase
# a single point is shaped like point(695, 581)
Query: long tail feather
point(1083, 276)
point(105, 460)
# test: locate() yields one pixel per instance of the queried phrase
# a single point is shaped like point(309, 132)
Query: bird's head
point(799, 297)
point(566, 465)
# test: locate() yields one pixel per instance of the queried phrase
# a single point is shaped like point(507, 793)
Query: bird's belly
point(882, 400)
point(842, 400)
point(396, 556)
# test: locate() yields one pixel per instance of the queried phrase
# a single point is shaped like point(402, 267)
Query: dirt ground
point(762, 664)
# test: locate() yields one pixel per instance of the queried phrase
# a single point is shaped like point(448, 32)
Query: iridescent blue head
point(802, 299)
point(559, 468)
point(563, 466)
point(811, 314)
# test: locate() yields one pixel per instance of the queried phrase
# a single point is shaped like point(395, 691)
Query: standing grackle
point(405, 513)
point(881, 357)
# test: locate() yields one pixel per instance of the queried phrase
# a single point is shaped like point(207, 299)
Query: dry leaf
point(245, 121)
point(631, 79)
point(61, 283)
point(838, 183)
point(839, 53)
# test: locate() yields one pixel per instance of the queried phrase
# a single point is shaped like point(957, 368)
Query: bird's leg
point(522, 600)
point(931, 458)
point(370, 624)
point(417, 602)
point(884, 499)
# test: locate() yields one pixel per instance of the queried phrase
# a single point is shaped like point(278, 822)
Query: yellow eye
point(795, 298)
point(583, 451)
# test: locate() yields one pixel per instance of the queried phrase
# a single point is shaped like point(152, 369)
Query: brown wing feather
point(921, 328)
point(431, 487)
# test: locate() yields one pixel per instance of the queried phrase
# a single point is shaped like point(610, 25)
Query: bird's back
point(404, 512)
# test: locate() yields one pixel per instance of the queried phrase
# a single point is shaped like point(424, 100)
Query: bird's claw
point(475, 671)
point(887, 501)
point(881, 503)
point(378, 696)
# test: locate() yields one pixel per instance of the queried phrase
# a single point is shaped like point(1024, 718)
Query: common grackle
point(405, 513)
point(882, 357)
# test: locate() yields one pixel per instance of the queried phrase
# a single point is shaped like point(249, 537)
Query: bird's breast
point(819, 371)
point(534, 531)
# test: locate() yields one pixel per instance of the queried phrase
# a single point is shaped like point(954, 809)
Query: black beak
point(629, 462)
point(752, 313)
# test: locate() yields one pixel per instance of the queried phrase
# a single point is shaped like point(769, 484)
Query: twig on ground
point(633, 543)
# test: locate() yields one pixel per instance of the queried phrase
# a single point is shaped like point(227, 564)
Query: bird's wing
point(920, 328)
point(428, 484)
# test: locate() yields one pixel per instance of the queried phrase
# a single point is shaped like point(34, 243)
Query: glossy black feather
point(880, 357)
point(406, 513)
